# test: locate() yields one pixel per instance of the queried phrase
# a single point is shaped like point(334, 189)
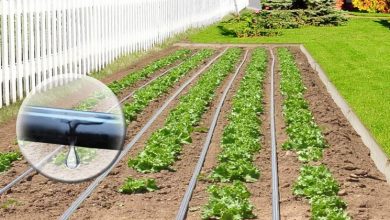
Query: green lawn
point(367, 14)
point(356, 57)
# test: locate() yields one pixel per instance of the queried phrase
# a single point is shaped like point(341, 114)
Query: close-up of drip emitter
point(72, 129)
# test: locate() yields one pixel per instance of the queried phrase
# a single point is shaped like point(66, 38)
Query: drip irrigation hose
point(274, 159)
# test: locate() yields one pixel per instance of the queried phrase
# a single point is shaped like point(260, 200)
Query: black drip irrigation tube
point(274, 156)
point(69, 127)
point(181, 214)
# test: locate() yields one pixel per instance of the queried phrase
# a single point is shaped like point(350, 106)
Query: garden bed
point(362, 186)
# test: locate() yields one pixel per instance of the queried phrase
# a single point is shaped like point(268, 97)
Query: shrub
point(263, 23)
point(372, 5)
point(269, 22)
point(289, 14)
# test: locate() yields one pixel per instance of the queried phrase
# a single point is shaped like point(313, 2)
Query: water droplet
point(72, 159)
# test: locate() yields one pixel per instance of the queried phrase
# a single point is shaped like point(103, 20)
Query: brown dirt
point(162, 204)
point(363, 187)
point(8, 136)
point(35, 194)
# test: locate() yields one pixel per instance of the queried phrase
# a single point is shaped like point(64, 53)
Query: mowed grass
point(366, 14)
point(356, 58)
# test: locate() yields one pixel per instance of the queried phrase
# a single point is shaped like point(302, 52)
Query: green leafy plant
point(9, 203)
point(229, 201)
point(165, 144)
point(161, 85)
point(138, 186)
point(131, 78)
point(242, 170)
point(317, 184)
point(6, 160)
point(304, 135)
point(315, 181)
point(328, 207)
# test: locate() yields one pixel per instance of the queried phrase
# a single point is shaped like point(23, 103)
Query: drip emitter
point(71, 128)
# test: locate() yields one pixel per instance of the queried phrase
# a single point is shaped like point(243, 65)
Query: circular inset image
point(71, 130)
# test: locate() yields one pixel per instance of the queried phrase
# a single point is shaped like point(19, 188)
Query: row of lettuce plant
point(130, 79)
point(315, 182)
point(304, 135)
point(240, 142)
point(165, 144)
point(144, 96)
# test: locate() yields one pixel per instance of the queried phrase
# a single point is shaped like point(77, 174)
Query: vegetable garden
point(170, 102)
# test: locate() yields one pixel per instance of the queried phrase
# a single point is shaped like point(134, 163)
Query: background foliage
point(283, 14)
point(372, 5)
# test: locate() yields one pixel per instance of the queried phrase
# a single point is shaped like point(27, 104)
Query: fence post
point(18, 31)
point(26, 72)
point(5, 37)
point(11, 40)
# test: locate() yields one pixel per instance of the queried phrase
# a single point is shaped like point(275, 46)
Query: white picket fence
point(45, 39)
